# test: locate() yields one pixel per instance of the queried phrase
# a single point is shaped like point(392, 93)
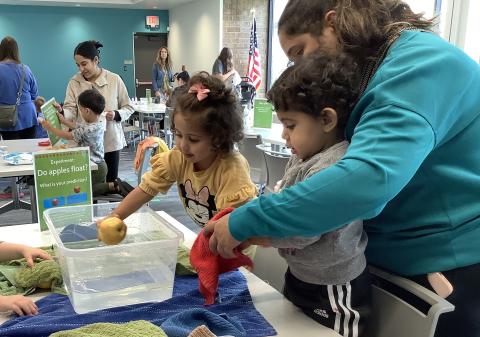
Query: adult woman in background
point(403, 173)
point(162, 73)
point(11, 70)
point(112, 88)
point(224, 70)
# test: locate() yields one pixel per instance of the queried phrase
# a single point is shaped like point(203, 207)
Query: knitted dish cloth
point(130, 329)
point(210, 266)
point(183, 323)
point(201, 331)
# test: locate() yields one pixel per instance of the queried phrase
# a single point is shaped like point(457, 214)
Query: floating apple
point(55, 202)
point(76, 189)
point(112, 230)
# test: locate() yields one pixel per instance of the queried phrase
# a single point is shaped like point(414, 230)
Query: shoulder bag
point(9, 113)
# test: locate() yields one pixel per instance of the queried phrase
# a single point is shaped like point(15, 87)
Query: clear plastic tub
point(97, 276)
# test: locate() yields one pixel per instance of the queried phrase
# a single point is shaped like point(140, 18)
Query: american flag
point(254, 67)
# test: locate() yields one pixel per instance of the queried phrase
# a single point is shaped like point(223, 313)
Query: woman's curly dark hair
point(317, 82)
point(220, 114)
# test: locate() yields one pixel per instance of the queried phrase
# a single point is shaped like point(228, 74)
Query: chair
point(248, 148)
point(167, 128)
point(269, 266)
point(276, 162)
point(393, 316)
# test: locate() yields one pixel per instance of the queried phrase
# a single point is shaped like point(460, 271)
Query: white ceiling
point(129, 4)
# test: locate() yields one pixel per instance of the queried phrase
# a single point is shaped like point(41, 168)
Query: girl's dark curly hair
point(220, 114)
point(316, 82)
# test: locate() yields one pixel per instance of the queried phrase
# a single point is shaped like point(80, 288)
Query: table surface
point(287, 319)
point(150, 108)
point(271, 135)
point(23, 145)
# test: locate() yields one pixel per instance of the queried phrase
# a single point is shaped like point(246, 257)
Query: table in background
point(154, 110)
point(287, 319)
point(13, 171)
point(271, 135)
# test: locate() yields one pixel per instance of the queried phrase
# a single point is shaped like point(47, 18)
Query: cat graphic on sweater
point(199, 206)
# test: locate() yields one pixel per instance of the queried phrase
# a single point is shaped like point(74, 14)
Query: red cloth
point(210, 266)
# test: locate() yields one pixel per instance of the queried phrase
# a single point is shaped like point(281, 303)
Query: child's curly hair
point(316, 82)
point(219, 114)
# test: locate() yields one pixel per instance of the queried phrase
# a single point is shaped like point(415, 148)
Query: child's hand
point(30, 253)
point(19, 304)
point(45, 124)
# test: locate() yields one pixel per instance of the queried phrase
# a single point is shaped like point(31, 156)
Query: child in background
point(91, 105)
point(210, 175)
point(39, 131)
point(20, 304)
point(182, 80)
point(327, 276)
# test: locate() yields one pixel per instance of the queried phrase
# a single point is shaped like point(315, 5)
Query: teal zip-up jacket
point(412, 171)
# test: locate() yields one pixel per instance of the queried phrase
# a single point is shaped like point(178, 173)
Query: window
point(472, 42)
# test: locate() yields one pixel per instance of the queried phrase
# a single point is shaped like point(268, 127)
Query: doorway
point(145, 47)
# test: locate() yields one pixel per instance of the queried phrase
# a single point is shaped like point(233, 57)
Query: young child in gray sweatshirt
point(327, 276)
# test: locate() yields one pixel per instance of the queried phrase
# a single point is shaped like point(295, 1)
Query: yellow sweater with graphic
point(226, 183)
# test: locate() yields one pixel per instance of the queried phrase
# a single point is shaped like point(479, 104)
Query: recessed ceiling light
point(155, 7)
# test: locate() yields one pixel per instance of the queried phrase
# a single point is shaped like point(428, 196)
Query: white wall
point(195, 37)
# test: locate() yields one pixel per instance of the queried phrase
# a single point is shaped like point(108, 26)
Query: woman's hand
point(58, 107)
point(19, 304)
point(31, 253)
point(109, 115)
point(61, 118)
point(221, 242)
point(158, 93)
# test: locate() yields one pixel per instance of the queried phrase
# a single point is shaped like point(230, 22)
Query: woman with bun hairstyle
point(112, 88)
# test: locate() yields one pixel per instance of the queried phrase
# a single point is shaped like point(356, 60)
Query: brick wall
point(237, 21)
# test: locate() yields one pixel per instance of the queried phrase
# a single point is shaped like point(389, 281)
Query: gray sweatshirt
point(336, 257)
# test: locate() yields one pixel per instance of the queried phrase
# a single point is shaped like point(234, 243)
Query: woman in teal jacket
point(412, 171)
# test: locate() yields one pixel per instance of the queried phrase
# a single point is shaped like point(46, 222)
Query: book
point(50, 114)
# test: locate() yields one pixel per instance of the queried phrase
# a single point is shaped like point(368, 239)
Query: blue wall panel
point(47, 37)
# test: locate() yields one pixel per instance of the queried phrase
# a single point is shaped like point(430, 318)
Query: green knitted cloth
point(130, 329)
point(17, 278)
point(183, 262)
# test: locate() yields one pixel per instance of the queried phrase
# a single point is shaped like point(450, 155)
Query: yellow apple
point(112, 231)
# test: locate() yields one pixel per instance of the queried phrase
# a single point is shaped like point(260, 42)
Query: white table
point(287, 319)
point(271, 135)
point(152, 109)
point(12, 171)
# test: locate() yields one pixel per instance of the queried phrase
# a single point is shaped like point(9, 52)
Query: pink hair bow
point(200, 90)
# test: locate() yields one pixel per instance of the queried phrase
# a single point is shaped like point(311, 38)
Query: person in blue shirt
point(10, 77)
point(412, 170)
point(162, 74)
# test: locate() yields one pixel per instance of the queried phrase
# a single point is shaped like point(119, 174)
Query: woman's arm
point(125, 109)
point(388, 146)
point(70, 108)
point(33, 86)
point(155, 76)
